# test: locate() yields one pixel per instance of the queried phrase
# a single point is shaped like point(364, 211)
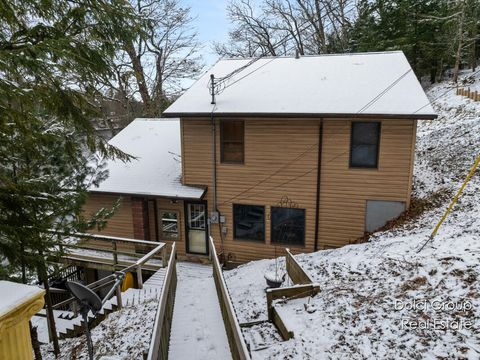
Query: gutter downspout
point(214, 142)
point(214, 157)
point(319, 166)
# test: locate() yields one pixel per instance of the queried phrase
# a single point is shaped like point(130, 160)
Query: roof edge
point(386, 52)
point(305, 115)
point(150, 195)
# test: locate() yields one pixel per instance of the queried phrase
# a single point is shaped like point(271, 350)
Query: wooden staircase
point(131, 297)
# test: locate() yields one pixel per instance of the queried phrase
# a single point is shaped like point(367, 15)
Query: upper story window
point(232, 138)
point(249, 222)
point(287, 226)
point(364, 144)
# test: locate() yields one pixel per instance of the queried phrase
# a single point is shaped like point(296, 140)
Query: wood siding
point(281, 163)
point(344, 191)
point(120, 224)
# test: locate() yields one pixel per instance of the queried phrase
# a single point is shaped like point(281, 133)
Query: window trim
point(274, 243)
point(222, 160)
point(377, 160)
point(264, 224)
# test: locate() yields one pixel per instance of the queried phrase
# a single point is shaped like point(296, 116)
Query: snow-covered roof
point(157, 169)
point(358, 85)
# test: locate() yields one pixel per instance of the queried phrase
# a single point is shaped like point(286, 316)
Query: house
point(307, 153)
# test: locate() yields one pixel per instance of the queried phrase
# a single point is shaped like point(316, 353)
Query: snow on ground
point(123, 335)
point(370, 292)
point(197, 331)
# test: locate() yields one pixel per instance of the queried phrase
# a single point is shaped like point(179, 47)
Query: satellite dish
point(89, 301)
point(85, 296)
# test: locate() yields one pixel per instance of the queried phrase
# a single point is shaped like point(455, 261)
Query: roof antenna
point(212, 88)
point(297, 54)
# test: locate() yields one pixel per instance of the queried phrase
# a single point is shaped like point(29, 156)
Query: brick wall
point(140, 219)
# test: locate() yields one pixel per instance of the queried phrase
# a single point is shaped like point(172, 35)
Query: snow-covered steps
point(68, 325)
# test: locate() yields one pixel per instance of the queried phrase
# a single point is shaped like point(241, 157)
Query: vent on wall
point(379, 212)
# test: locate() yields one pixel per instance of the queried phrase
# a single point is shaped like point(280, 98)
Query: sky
point(211, 23)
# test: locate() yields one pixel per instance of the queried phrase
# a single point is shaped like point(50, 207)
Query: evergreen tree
point(52, 54)
point(430, 32)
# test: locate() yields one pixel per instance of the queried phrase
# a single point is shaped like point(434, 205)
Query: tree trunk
point(51, 320)
point(474, 52)
point(460, 42)
point(140, 77)
point(35, 343)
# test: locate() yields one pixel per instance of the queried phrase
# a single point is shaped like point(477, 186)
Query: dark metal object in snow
point(274, 282)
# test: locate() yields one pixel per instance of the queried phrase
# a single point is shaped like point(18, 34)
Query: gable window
point(232, 141)
point(287, 226)
point(364, 144)
point(249, 222)
point(168, 225)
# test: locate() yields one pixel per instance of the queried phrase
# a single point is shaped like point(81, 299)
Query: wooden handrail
point(296, 273)
point(159, 343)
point(106, 237)
point(93, 286)
point(238, 346)
point(139, 263)
point(111, 278)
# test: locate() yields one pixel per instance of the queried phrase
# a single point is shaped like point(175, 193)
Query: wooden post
point(75, 308)
point(139, 277)
point(119, 296)
point(164, 256)
point(115, 255)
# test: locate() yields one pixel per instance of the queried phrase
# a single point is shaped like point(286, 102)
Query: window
point(169, 225)
point(364, 144)
point(232, 141)
point(249, 222)
point(288, 226)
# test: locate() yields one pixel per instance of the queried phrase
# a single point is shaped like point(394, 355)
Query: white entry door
point(196, 228)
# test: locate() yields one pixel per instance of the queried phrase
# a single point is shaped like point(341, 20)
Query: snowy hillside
point(123, 335)
point(382, 299)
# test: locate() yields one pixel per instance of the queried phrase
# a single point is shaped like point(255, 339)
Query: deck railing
point(238, 346)
point(132, 265)
point(163, 319)
point(108, 250)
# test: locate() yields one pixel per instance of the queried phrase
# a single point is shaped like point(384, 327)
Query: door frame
point(187, 240)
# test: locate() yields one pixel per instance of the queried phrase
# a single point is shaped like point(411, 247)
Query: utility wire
point(335, 157)
point(376, 98)
point(310, 148)
point(443, 94)
point(387, 89)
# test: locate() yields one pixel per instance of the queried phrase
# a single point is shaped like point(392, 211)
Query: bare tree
point(156, 66)
point(281, 27)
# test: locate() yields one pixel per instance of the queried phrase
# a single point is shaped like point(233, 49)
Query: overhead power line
point(442, 94)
